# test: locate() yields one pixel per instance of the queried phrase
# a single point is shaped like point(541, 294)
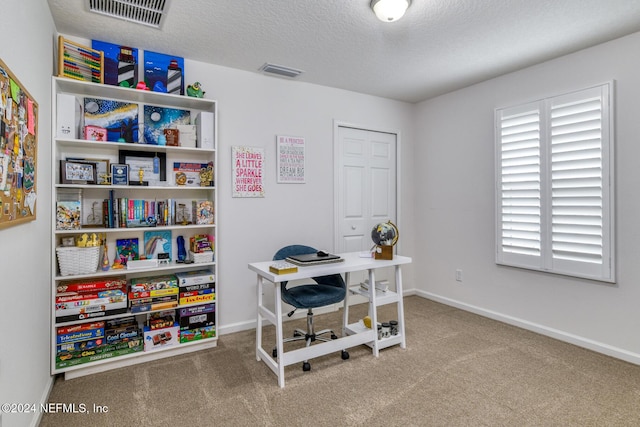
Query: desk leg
point(373, 309)
point(279, 335)
point(399, 291)
point(259, 325)
point(345, 311)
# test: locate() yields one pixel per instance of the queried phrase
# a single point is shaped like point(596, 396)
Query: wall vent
point(146, 12)
point(279, 70)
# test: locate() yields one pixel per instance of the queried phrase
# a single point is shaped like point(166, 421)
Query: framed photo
point(144, 167)
point(76, 172)
point(119, 174)
point(102, 168)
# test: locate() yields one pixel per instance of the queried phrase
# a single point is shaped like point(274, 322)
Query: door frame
point(336, 174)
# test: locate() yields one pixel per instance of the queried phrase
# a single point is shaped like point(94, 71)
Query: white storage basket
point(73, 260)
point(200, 257)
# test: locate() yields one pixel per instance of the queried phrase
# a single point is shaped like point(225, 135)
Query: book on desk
point(283, 267)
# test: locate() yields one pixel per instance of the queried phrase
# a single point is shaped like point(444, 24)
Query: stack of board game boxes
point(198, 295)
point(163, 311)
point(153, 293)
point(89, 342)
point(90, 299)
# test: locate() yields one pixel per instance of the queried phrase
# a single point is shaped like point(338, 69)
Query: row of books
point(122, 212)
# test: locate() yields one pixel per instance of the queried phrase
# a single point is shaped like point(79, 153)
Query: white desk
point(352, 334)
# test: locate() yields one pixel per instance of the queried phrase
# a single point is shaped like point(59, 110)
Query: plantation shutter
point(554, 193)
point(519, 184)
point(579, 134)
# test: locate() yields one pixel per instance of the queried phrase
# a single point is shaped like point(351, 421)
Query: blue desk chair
point(326, 291)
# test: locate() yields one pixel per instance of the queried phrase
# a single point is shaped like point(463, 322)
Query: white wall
point(253, 109)
point(456, 204)
point(26, 48)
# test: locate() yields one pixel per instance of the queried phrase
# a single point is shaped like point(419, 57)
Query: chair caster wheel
point(334, 337)
point(274, 353)
point(306, 366)
point(297, 334)
point(345, 355)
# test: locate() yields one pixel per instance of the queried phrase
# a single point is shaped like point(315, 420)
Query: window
point(554, 191)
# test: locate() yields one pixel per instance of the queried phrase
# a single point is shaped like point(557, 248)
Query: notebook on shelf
point(313, 259)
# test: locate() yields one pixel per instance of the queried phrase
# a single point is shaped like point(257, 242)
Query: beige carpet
point(458, 369)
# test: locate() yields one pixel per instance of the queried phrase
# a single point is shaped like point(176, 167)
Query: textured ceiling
point(439, 45)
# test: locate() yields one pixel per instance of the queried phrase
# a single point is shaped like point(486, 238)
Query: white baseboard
point(35, 421)
point(587, 343)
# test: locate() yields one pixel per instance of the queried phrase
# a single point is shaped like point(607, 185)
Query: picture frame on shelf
point(144, 167)
point(119, 174)
point(102, 168)
point(157, 243)
point(77, 172)
point(119, 118)
point(126, 250)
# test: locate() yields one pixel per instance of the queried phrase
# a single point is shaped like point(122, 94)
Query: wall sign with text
point(248, 171)
point(290, 153)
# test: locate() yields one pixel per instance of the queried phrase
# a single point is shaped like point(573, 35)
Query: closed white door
point(365, 185)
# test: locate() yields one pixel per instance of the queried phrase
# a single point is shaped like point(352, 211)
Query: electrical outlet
point(458, 275)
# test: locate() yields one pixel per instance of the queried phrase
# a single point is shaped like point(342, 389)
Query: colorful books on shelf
point(122, 212)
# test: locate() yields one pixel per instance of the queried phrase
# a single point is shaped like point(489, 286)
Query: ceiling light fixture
point(390, 10)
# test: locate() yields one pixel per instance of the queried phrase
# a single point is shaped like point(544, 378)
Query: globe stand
point(383, 252)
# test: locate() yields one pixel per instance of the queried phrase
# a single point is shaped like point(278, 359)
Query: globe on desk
point(385, 236)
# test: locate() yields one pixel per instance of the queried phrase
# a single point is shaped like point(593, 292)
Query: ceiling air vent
point(279, 70)
point(145, 12)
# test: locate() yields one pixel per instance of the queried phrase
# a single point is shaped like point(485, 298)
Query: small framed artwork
point(126, 250)
point(102, 168)
point(157, 243)
point(77, 172)
point(144, 167)
point(119, 174)
point(290, 152)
